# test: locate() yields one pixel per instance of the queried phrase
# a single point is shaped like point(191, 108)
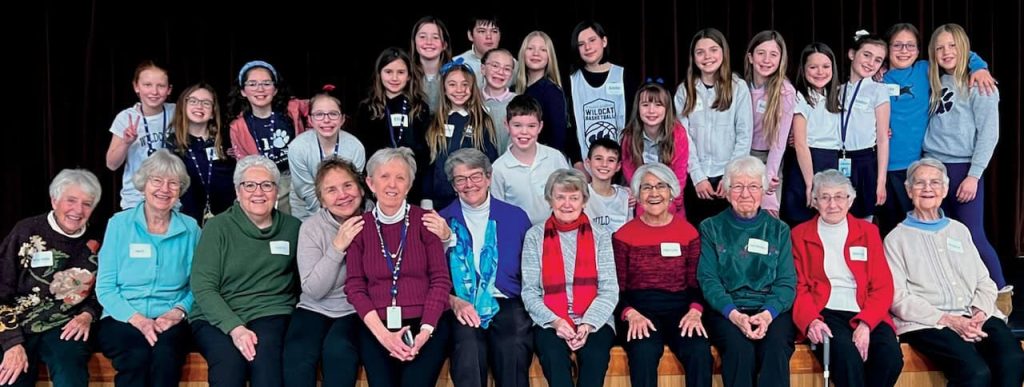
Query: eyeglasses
point(648, 188)
point(933, 184)
point(903, 46)
point(265, 186)
point(841, 198)
point(320, 116)
point(460, 181)
point(495, 66)
point(192, 101)
point(753, 189)
point(157, 182)
point(257, 84)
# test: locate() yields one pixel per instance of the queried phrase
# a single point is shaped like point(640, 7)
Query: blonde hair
point(551, 72)
point(479, 120)
point(960, 72)
point(772, 117)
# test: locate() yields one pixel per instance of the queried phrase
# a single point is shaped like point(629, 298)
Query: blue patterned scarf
point(470, 286)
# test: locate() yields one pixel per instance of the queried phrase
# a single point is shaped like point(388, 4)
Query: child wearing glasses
point(498, 70)
point(310, 148)
point(267, 119)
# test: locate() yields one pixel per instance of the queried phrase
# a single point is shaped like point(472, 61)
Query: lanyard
point(846, 113)
point(145, 126)
point(401, 128)
point(394, 262)
point(207, 181)
point(337, 145)
point(266, 146)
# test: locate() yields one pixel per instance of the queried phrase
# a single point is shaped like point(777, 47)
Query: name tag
point(954, 245)
point(449, 130)
point(399, 120)
point(761, 106)
point(394, 317)
point(616, 88)
point(211, 154)
point(845, 167)
point(279, 247)
point(671, 249)
point(858, 253)
point(469, 130)
point(140, 250)
point(893, 88)
point(757, 246)
point(42, 259)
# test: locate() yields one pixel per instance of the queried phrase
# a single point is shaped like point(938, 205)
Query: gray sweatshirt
point(963, 128)
point(322, 267)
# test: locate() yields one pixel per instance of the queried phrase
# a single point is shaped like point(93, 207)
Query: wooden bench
point(804, 368)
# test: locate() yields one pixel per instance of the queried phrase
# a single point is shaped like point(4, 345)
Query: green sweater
point(735, 273)
point(236, 278)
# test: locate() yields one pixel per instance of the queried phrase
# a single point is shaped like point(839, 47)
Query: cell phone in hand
point(408, 339)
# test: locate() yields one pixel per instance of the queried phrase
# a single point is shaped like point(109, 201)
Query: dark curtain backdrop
point(72, 63)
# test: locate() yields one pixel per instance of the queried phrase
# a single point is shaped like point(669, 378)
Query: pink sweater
point(778, 147)
point(679, 159)
point(241, 137)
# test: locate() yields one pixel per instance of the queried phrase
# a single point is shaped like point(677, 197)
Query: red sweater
point(640, 265)
point(423, 282)
point(874, 281)
point(680, 158)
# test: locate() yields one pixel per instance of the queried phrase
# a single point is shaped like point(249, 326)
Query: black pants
point(645, 354)
point(227, 367)
point(382, 370)
point(67, 361)
point(747, 362)
point(885, 358)
point(698, 209)
point(592, 359)
point(139, 364)
point(313, 338)
point(897, 202)
point(995, 361)
point(506, 346)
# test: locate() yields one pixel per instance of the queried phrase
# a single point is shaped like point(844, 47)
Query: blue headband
point(256, 63)
point(658, 80)
point(458, 62)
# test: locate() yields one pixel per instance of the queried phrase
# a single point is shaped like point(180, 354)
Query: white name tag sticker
point(399, 120)
point(893, 88)
point(449, 130)
point(757, 246)
point(394, 317)
point(42, 259)
point(671, 249)
point(211, 154)
point(761, 106)
point(616, 88)
point(140, 250)
point(279, 247)
point(954, 245)
point(858, 253)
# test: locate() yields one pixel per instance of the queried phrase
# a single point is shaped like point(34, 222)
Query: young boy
point(609, 206)
point(485, 35)
point(521, 172)
point(497, 71)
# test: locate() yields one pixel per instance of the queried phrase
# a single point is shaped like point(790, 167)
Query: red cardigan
point(874, 281)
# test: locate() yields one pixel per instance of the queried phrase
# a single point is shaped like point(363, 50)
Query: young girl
point(773, 98)
point(461, 122)
point(498, 68)
point(907, 82)
point(312, 147)
point(538, 77)
point(140, 130)
point(864, 125)
point(713, 104)
point(430, 49)
point(202, 144)
point(598, 88)
point(816, 136)
point(962, 133)
point(653, 135)
point(267, 120)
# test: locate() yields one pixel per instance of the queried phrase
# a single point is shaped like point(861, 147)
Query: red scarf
point(584, 287)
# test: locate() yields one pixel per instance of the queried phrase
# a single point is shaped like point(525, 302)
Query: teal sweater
point(236, 278)
point(734, 272)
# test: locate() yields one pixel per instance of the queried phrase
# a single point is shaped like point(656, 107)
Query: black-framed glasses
point(460, 181)
point(250, 186)
point(193, 101)
point(320, 116)
point(903, 46)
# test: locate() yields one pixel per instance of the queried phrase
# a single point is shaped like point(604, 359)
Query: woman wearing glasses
point(244, 281)
point(143, 279)
point(310, 148)
point(200, 142)
point(844, 288)
point(494, 329)
point(747, 274)
point(267, 119)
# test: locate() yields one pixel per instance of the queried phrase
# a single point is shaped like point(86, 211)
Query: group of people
point(285, 245)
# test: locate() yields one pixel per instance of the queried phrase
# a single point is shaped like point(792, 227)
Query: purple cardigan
point(512, 225)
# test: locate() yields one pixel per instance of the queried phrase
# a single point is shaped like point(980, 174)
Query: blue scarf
point(470, 286)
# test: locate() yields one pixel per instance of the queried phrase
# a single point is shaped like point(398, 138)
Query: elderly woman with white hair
point(569, 285)
point(661, 304)
point(47, 266)
point(747, 274)
point(844, 288)
point(245, 282)
point(143, 280)
point(398, 278)
point(945, 302)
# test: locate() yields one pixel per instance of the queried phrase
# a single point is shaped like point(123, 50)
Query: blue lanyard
point(846, 113)
point(337, 145)
point(250, 121)
point(391, 128)
point(145, 125)
point(395, 261)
